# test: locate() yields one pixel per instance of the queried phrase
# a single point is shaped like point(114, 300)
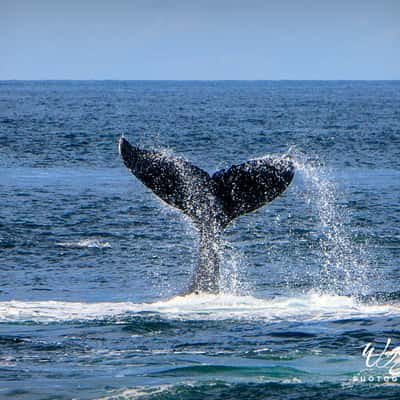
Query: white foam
point(137, 392)
point(86, 243)
point(308, 307)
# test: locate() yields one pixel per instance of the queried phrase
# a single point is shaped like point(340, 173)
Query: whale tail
point(210, 201)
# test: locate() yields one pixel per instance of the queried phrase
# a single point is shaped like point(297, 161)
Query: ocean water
point(93, 266)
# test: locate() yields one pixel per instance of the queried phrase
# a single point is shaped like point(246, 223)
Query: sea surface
point(93, 266)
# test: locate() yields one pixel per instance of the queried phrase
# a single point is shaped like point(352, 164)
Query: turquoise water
point(93, 265)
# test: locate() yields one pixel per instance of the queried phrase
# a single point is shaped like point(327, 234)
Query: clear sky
point(201, 39)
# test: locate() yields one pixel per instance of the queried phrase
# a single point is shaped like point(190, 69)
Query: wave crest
point(90, 243)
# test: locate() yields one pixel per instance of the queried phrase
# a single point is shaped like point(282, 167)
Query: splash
point(344, 263)
point(307, 307)
point(233, 269)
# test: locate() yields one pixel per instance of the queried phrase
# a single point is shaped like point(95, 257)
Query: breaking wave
point(90, 243)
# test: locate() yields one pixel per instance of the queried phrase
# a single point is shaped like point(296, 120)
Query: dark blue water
point(92, 264)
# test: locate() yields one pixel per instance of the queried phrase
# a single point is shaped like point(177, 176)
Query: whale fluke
point(245, 187)
point(210, 201)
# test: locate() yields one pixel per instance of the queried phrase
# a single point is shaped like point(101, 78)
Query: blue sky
point(220, 39)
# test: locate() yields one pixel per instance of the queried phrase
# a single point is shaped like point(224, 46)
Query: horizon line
point(198, 80)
